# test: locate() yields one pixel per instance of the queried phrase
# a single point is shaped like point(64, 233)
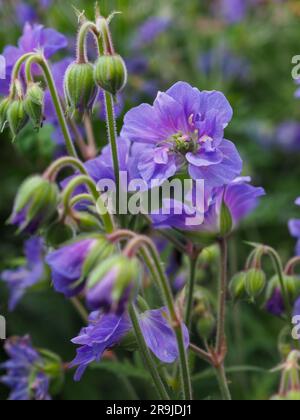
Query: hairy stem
point(148, 359)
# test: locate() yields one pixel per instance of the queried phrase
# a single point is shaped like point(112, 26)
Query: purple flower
point(297, 308)
point(288, 136)
point(294, 226)
point(159, 335)
point(26, 13)
point(67, 265)
point(150, 30)
point(25, 374)
point(23, 278)
point(275, 305)
point(33, 38)
point(184, 127)
point(222, 60)
point(240, 197)
point(102, 333)
point(297, 93)
point(106, 331)
point(101, 296)
point(232, 11)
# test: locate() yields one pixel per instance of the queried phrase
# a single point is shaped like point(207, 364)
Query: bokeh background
point(246, 54)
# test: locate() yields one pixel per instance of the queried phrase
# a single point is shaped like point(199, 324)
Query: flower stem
point(80, 180)
point(80, 309)
point(279, 268)
point(221, 339)
point(81, 41)
point(148, 359)
point(190, 291)
point(53, 170)
point(112, 134)
point(42, 62)
point(155, 266)
point(221, 347)
point(223, 383)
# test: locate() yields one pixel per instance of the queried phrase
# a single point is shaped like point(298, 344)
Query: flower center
point(184, 143)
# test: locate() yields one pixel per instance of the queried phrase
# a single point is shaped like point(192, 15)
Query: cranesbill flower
point(294, 226)
point(34, 37)
point(232, 11)
point(275, 305)
point(239, 196)
point(21, 279)
point(184, 127)
point(25, 13)
point(67, 265)
point(287, 136)
point(224, 62)
point(106, 331)
point(25, 371)
point(151, 29)
point(111, 284)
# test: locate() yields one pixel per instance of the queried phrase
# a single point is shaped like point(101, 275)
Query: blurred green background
point(250, 61)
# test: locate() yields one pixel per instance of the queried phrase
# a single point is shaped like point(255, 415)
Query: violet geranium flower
point(184, 127)
point(240, 197)
point(23, 278)
point(106, 331)
point(67, 265)
point(25, 374)
point(294, 226)
point(34, 37)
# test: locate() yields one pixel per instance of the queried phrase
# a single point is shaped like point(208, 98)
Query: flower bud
point(17, 117)
point(87, 222)
point(4, 105)
point(34, 105)
point(255, 282)
point(111, 284)
point(80, 88)
point(111, 73)
point(237, 286)
point(226, 223)
point(35, 204)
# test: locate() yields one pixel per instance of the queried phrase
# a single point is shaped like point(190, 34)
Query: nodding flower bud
point(35, 204)
point(255, 283)
point(111, 284)
point(237, 286)
point(226, 223)
point(34, 104)
point(80, 88)
point(111, 73)
point(4, 105)
point(16, 117)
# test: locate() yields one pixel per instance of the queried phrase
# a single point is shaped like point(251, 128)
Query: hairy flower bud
point(17, 117)
point(80, 88)
point(4, 105)
point(111, 73)
point(255, 283)
point(110, 285)
point(34, 104)
point(237, 286)
point(35, 204)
